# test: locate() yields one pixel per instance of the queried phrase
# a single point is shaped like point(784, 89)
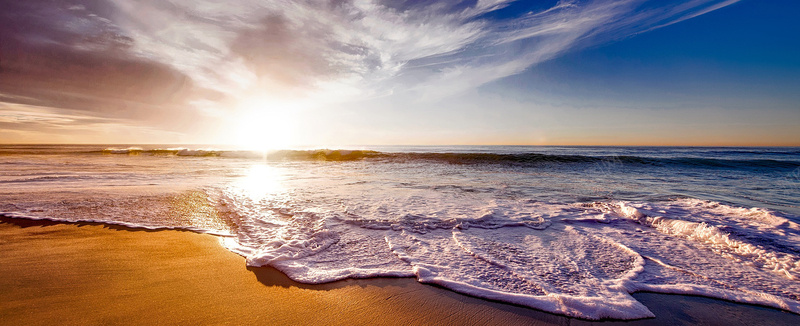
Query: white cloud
point(342, 50)
point(439, 47)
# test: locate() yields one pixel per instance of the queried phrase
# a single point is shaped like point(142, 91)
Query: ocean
point(568, 230)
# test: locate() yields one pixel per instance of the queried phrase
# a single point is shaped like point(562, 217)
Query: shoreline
point(79, 273)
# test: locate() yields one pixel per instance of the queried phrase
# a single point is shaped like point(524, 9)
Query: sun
point(265, 125)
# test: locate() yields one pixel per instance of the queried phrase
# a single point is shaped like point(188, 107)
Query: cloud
point(509, 47)
point(30, 123)
point(180, 59)
point(65, 57)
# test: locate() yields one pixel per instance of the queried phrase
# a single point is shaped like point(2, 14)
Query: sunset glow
point(269, 74)
point(265, 124)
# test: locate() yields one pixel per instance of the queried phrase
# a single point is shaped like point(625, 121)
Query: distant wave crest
point(511, 159)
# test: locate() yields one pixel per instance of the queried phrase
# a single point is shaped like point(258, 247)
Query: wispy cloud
point(30, 123)
point(690, 11)
point(509, 47)
point(202, 55)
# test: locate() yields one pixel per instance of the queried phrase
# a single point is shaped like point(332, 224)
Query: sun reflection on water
point(261, 181)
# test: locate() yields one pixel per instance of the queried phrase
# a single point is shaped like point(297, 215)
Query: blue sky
point(749, 50)
point(335, 73)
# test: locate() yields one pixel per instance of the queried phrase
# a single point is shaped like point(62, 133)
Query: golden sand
point(53, 273)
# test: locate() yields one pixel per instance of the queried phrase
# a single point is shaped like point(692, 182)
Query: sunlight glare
point(265, 124)
point(260, 181)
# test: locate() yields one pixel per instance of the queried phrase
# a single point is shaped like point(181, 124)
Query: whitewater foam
point(559, 260)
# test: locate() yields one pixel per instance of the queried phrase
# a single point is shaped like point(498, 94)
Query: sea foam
point(558, 260)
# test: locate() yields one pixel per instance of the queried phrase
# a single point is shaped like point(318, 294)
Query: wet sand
point(86, 273)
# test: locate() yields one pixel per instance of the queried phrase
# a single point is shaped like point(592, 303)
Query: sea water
point(568, 230)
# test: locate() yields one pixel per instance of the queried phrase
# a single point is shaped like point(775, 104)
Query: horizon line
point(393, 145)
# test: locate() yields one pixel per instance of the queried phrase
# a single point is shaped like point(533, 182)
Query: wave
point(180, 151)
point(711, 160)
point(532, 159)
point(465, 158)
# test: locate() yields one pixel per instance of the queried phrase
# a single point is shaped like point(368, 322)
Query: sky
point(272, 74)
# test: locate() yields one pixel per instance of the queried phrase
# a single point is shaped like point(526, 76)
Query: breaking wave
point(768, 160)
